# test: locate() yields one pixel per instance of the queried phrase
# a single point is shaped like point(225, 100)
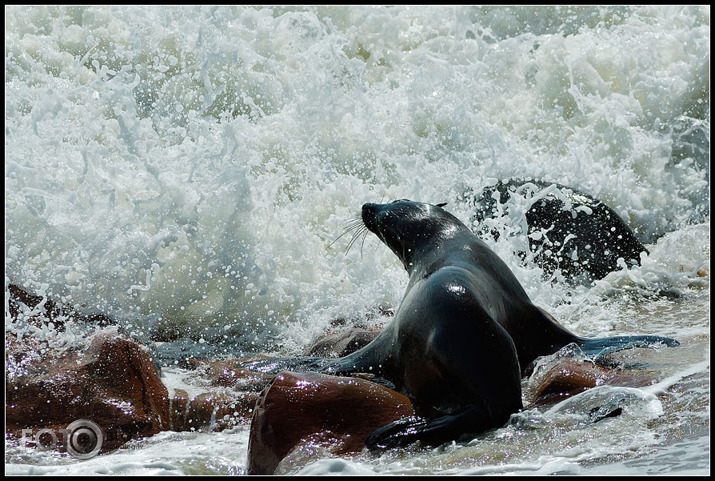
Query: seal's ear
point(442, 204)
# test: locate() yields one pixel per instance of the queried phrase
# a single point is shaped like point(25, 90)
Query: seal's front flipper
point(434, 432)
point(396, 434)
point(298, 364)
point(596, 349)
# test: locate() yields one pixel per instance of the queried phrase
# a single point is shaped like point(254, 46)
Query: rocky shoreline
point(116, 384)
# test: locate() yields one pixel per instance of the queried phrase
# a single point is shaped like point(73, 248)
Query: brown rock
point(213, 411)
point(311, 409)
point(569, 377)
point(114, 383)
point(230, 395)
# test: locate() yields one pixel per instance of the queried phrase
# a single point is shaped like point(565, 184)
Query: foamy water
point(186, 170)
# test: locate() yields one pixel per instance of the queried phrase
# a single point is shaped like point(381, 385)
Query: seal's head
point(408, 227)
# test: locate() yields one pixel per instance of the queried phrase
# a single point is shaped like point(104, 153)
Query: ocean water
point(187, 171)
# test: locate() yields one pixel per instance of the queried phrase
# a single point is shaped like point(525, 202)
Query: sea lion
point(567, 229)
point(462, 336)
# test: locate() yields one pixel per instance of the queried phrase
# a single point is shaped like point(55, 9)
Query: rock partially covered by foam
point(567, 230)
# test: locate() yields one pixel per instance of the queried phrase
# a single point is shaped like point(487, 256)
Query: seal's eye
point(442, 204)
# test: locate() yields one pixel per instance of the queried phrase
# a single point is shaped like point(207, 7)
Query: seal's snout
point(369, 216)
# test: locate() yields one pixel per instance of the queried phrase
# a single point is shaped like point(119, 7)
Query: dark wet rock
point(42, 310)
point(301, 413)
point(567, 229)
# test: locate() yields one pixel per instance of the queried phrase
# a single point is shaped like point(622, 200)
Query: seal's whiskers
point(357, 228)
point(362, 231)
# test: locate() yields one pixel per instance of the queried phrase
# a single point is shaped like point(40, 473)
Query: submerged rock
point(566, 373)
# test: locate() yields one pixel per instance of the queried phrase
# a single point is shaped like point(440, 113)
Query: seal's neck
point(452, 245)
